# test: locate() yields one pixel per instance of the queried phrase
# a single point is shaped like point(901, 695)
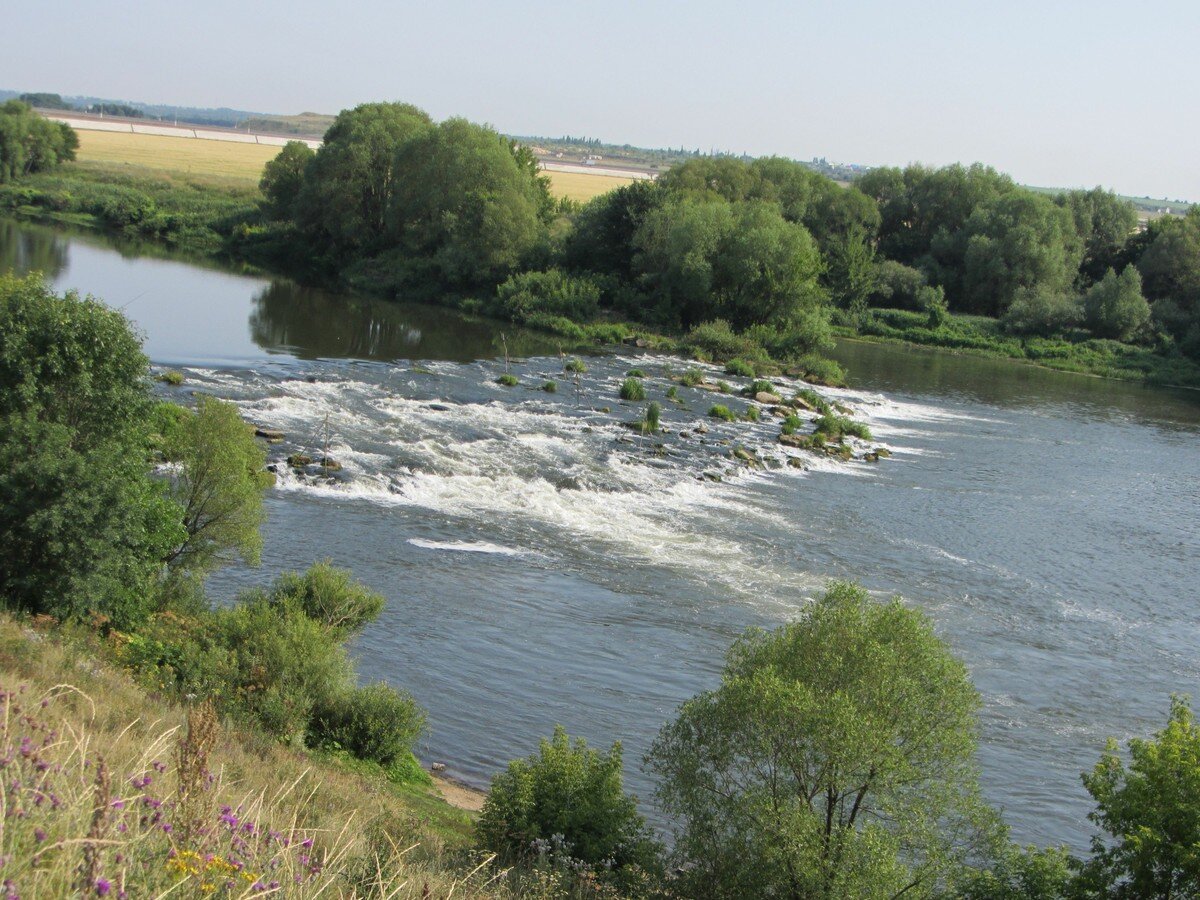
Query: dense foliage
point(817, 770)
point(30, 143)
point(573, 793)
point(84, 527)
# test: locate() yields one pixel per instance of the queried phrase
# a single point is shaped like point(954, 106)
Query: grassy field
point(581, 187)
point(150, 154)
point(234, 164)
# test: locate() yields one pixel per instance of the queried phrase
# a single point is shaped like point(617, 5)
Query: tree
point(283, 177)
point(1021, 873)
point(1019, 240)
point(1104, 223)
point(835, 759)
point(567, 789)
point(84, 528)
point(851, 272)
point(29, 143)
point(348, 187)
point(741, 262)
point(465, 206)
point(1115, 307)
point(1150, 812)
point(219, 487)
point(1170, 264)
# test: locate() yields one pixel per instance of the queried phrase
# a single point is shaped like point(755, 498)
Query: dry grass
point(152, 154)
point(581, 187)
point(92, 775)
point(232, 164)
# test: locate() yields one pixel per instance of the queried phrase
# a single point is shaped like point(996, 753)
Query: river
point(543, 565)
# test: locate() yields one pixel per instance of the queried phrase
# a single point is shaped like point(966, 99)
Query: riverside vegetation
point(153, 743)
point(764, 261)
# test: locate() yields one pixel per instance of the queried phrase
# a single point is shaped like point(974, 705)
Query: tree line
point(767, 247)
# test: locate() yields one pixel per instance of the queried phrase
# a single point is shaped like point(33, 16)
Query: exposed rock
point(272, 435)
point(882, 452)
point(701, 429)
point(712, 476)
point(330, 465)
point(767, 397)
point(871, 457)
point(801, 441)
point(299, 460)
point(800, 403)
point(745, 456)
point(437, 407)
point(795, 462)
point(781, 411)
point(438, 767)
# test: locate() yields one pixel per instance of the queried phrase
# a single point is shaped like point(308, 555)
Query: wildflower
point(118, 804)
point(103, 886)
point(39, 835)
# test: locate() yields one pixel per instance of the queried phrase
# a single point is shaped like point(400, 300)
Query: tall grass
point(109, 792)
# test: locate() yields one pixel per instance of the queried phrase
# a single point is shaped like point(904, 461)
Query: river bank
point(207, 218)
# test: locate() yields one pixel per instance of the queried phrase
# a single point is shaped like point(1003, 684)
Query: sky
point(1057, 93)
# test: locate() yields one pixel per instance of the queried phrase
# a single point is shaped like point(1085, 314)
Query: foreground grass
point(983, 336)
point(110, 791)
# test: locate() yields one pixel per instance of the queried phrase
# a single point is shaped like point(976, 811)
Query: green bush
point(567, 789)
point(171, 377)
point(717, 340)
point(551, 293)
point(834, 427)
point(653, 418)
point(550, 387)
point(376, 723)
point(759, 386)
point(633, 389)
point(792, 424)
point(752, 414)
point(635, 373)
point(508, 380)
point(722, 412)
point(691, 377)
point(574, 366)
point(329, 596)
point(672, 393)
point(739, 367)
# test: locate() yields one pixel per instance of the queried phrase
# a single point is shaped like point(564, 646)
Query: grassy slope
point(77, 711)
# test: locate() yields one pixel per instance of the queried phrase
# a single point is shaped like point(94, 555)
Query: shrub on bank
point(573, 791)
point(376, 723)
point(633, 389)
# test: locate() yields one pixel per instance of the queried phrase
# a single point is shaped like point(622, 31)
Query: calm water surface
point(543, 566)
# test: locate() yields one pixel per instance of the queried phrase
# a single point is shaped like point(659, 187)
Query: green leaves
point(1150, 813)
point(835, 759)
point(571, 790)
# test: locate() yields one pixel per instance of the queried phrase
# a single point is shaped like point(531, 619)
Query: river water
point(543, 564)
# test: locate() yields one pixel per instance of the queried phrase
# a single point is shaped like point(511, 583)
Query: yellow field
point(581, 187)
point(241, 164)
point(156, 154)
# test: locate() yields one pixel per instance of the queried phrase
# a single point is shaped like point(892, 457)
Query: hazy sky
point(1056, 92)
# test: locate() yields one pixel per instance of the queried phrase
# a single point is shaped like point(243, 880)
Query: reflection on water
point(316, 324)
point(27, 249)
point(192, 314)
